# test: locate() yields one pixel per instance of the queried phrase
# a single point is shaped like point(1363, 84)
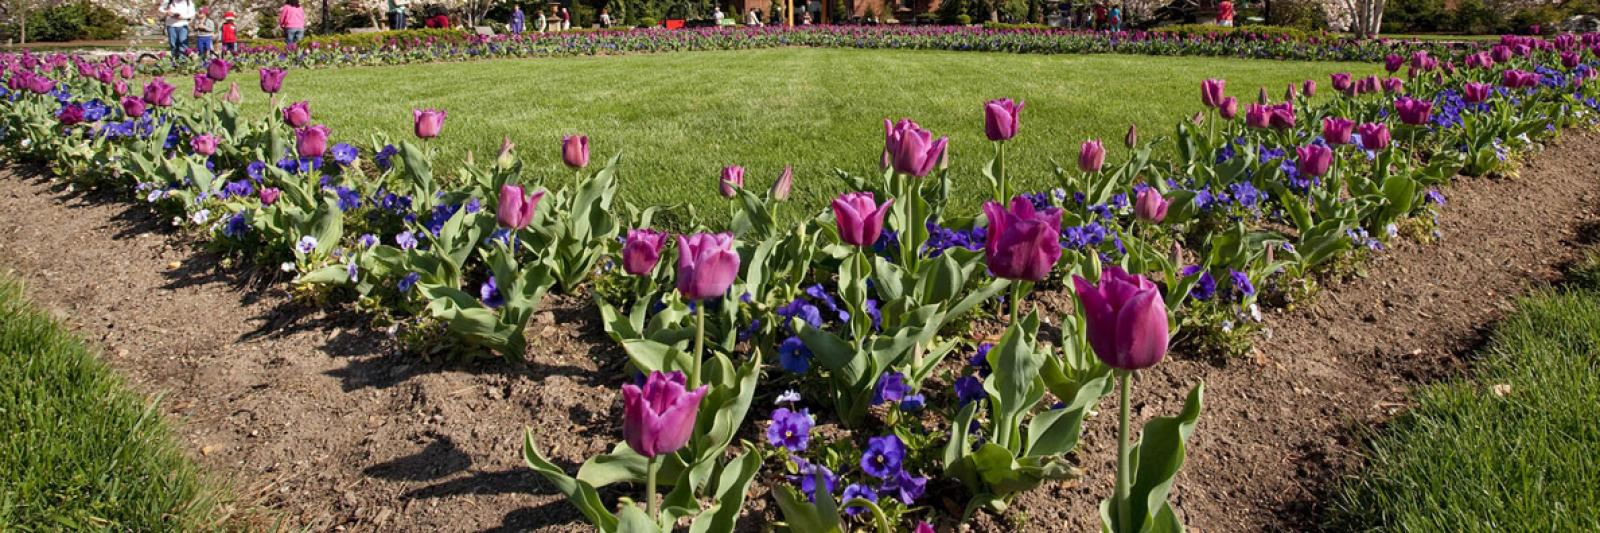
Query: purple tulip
point(272, 80)
point(859, 217)
point(1023, 243)
point(1309, 88)
point(1281, 116)
point(1261, 96)
point(731, 180)
point(269, 195)
point(233, 96)
point(1393, 62)
point(1091, 156)
point(1290, 93)
point(1374, 135)
point(916, 151)
point(1256, 116)
point(1394, 86)
point(298, 114)
point(641, 250)
point(1413, 111)
point(217, 69)
point(204, 144)
point(1229, 108)
point(1476, 93)
point(132, 107)
point(427, 122)
point(1150, 206)
point(203, 84)
point(71, 114)
point(126, 72)
point(575, 150)
point(516, 209)
point(1336, 130)
point(1212, 92)
point(1343, 83)
point(158, 92)
point(707, 265)
point(1126, 319)
point(658, 419)
point(311, 141)
point(781, 188)
point(1132, 138)
point(1000, 119)
point(1313, 160)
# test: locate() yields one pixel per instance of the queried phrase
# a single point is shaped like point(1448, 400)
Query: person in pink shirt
point(292, 20)
point(1225, 13)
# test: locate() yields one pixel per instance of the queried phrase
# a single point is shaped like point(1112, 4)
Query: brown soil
point(311, 413)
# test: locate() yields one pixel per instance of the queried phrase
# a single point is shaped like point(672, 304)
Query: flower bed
point(391, 49)
point(861, 315)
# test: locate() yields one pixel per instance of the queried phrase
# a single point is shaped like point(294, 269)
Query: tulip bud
point(575, 150)
point(1126, 319)
point(731, 180)
point(1309, 88)
point(233, 96)
point(427, 122)
point(1149, 206)
point(1212, 91)
point(780, 189)
point(311, 141)
point(1091, 156)
point(1000, 119)
point(658, 419)
point(641, 250)
point(298, 114)
point(1229, 108)
point(515, 210)
point(707, 265)
point(505, 159)
point(205, 144)
point(859, 218)
point(272, 80)
point(1132, 138)
point(1261, 97)
point(269, 195)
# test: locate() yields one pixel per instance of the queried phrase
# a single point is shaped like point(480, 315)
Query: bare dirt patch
point(315, 414)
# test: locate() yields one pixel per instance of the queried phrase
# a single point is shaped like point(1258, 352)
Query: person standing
point(292, 20)
point(517, 20)
point(177, 13)
point(1116, 17)
point(1225, 13)
point(540, 23)
point(605, 18)
point(230, 33)
point(566, 19)
point(397, 14)
point(716, 15)
point(204, 29)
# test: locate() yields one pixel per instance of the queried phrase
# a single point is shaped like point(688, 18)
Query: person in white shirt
point(177, 14)
point(751, 18)
point(605, 18)
point(716, 15)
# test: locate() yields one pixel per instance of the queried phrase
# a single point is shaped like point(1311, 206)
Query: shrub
point(71, 22)
point(1201, 30)
point(648, 22)
point(1403, 16)
point(964, 19)
point(377, 38)
point(1299, 14)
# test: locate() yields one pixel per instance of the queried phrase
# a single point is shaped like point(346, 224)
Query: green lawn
point(682, 116)
point(1525, 457)
point(78, 451)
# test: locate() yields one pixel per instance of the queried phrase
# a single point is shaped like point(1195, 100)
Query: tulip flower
point(1313, 160)
point(70, 115)
point(132, 107)
point(781, 188)
point(203, 84)
point(1150, 206)
point(1256, 116)
point(298, 114)
point(516, 209)
point(575, 150)
point(311, 141)
point(233, 96)
point(1394, 86)
point(657, 420)
point(1336, 130)
point(1132, 138)
point(1229, 108)
point(1212, 91)
point(1476, 93)
point(641, 250)
point(1022, 243)
point(269, 195)
point(1309, 88)
point(158, 92)
point(731, 180)
point(217, 69)
point(916, 151)
point(204, 144)
point(126, 72)
point(1374, 135)
point(1289, 93)
point(1393, 62)
point(859, 217)
point(1261, 96)
point(1413, 111)
point(1091, 156)
point(707, 265)
point(272, 80)
point(1570, 60)
point(1126, 319)
point(1343, 83)
point(1000, 119)
point(427, 122)
point(505, 159)
point(1281, 116)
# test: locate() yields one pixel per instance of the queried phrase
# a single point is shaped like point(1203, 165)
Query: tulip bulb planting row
point(860, 315)
point(1242, 44)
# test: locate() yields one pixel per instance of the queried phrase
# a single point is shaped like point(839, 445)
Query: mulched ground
point(314, 414)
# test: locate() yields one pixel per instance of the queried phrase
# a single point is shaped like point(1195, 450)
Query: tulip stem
point(699, 343)
point(1124, 472)
point(650, 488)
point(1017, 291)
point(1004, 191)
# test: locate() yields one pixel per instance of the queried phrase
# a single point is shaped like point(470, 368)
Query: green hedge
point(371, 39)
point(72, 21)
point(1199, 30)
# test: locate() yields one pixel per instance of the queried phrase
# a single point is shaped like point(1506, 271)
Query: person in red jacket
point(1225, 13)
point(230, 33)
